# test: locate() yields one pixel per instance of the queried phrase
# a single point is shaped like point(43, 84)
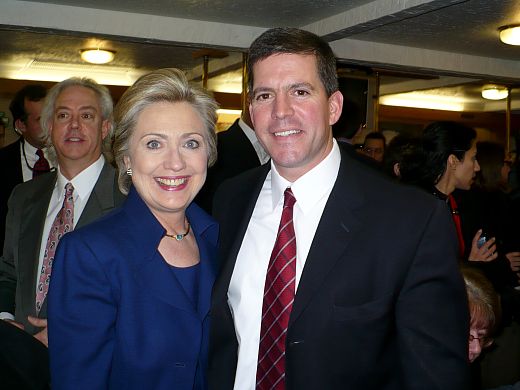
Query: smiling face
point(77, 129)
point(291, 113)
point(466, 169)
point(168, 157)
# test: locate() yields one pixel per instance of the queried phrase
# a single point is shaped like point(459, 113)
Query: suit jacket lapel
point(238, 216)
point(101, 199)
point(341, 218)
point(31, 230)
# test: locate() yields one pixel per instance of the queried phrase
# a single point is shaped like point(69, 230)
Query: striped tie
point(278, 300)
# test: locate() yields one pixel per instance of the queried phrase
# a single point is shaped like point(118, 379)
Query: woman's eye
point(153, 144)
point(192, 144)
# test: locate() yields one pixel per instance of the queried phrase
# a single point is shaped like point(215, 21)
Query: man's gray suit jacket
point(27, 209)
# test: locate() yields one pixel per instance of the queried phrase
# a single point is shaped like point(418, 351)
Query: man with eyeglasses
point(374, 146)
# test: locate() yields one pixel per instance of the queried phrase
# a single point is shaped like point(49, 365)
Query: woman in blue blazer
point(130, 293)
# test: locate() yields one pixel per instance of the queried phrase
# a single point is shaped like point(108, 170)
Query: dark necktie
point(41, 165)
point(279, 293)
point(63, 223)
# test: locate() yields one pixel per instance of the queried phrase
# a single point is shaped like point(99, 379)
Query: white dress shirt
point(263, 156)
point(83, 184)
point(246, 288)
point(29, 159)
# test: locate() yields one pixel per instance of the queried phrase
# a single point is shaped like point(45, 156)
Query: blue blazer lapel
point(341, 217)
point(153, 274)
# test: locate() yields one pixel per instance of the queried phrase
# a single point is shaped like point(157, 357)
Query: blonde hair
point(163, 85)
point(484, 302)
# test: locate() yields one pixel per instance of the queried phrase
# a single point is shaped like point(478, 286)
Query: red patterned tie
point(63, 223)
point(278, 300)
point(41, 165)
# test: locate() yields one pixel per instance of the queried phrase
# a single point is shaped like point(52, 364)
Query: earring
point(129, 171)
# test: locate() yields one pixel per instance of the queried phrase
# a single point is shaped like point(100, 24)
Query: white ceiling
point(446, 38)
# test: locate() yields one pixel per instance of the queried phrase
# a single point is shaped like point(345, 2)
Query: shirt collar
point(83, 182)
point(312, 186)
point(248, 131)
point(263, 156)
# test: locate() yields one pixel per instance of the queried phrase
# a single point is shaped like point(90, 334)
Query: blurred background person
point(488, 206)
point(450, 162)
point(403, 159)
point(27, 157)
point(130, 295)
point(484, 311)
point(374, 146)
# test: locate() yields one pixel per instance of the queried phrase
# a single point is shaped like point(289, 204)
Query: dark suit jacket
point(118, 316)
point(380, 303)
point(25, 221)
point(11, 176)
point(235, 155)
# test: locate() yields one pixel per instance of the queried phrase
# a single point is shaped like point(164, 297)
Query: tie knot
point(39, 153)
point(289, 199)
point(69, 189)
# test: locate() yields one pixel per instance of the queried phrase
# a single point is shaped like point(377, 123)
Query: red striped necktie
point(279, 294)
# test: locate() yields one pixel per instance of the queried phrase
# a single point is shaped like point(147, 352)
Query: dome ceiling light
point(510, 34)
point(97, 56)
point(494, 92)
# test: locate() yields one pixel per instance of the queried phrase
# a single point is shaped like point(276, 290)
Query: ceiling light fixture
point(510, 34)
point(97, 56)
point(494, 92)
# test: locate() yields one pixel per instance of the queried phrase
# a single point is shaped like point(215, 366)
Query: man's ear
point(105, 128)
point(20, 125)
point(335, 107)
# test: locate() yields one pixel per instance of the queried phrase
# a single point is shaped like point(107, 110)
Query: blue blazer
point(118, 318)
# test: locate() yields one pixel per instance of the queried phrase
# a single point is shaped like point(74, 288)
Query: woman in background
point(130, 294)
point(450, 163)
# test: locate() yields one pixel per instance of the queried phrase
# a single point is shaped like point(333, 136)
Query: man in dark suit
point(19, 158)
point(76, 118)
point(362, 289)
point(238, 150)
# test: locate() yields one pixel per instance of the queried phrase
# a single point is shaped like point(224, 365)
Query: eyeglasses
point(373, 150)
point(484, 341)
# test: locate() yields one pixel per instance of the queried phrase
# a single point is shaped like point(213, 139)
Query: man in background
point(26, 157)
point(374, 146)
point(76, 120)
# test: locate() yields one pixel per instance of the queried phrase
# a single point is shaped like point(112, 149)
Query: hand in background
point(514, 260)
point(486, 252)
point(42, 334)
